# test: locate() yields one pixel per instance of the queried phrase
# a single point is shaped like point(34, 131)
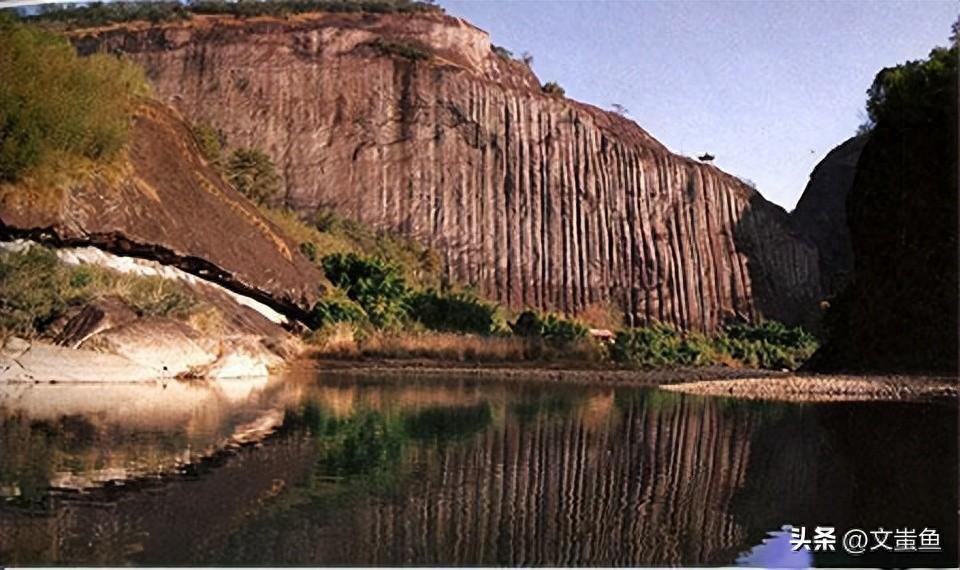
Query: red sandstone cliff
point(535, 199)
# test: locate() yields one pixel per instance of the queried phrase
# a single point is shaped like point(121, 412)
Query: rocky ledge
point(105, 340)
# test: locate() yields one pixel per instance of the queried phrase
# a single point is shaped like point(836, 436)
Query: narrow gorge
point(533, 199)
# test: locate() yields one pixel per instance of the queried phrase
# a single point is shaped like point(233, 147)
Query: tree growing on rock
point(252, 172)
point(553, 88)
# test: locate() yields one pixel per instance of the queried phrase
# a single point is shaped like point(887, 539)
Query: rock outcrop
point(164, 203)
point(900, 310)
point(534, 199)
point(104, 340)
point(821, 212)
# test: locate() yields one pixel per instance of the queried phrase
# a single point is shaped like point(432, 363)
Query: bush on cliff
point(407, 49)
point(327, 233)
point(553, 88)
point(210, 141)
point(100, 14)
point(253, 173)
point(501, 52)
point(58, 110)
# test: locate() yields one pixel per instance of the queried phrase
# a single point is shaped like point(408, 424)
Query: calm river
point(368, 471)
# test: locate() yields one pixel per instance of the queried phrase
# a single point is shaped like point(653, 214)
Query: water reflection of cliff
point(480, 473)
point(563, 479)
point(81, 436)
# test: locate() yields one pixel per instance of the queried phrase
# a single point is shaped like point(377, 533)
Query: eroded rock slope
point(163, 203)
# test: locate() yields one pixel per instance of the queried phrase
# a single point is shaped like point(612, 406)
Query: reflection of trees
point(446, 423)
point(27, 459)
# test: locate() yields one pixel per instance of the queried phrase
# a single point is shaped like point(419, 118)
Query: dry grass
point(208, 320)
point(445, 346)
point(602, 316)
point(340, 341)
point(336, 341)
point(36, 288)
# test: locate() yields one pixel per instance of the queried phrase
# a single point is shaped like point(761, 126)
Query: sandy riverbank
point(707, 381)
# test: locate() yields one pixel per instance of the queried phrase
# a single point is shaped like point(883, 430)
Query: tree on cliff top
point(915, 90)
point(103, 13)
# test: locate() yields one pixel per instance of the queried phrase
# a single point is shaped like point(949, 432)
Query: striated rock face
point(165, 204)
point(821, 213)
point(534, 199)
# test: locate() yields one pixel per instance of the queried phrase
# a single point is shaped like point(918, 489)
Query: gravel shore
point(826, 388)
point(565, 372)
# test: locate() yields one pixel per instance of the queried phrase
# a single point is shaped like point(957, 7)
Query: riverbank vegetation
point(37, 289)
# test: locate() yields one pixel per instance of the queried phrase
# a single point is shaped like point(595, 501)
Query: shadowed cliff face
point(900, 311)
point(163, 203)
point(821, 213)
point(536, 200)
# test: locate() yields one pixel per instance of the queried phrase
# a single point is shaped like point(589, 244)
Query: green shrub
point(912, 92)
point(555, 330)
point(99, 14)
point(57, 108)
point(328, 233)
point(36, 288)
point(309, 250)
point(372, 283)
point(253, 173)
point(333, 310)
point(29, 285)
point(660, 345)
point(766, 345)
point(211, 142)
point(408, 49)
point(454, 312)
point(553, 88)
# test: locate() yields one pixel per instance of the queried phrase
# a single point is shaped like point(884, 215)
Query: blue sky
point(768, 87)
